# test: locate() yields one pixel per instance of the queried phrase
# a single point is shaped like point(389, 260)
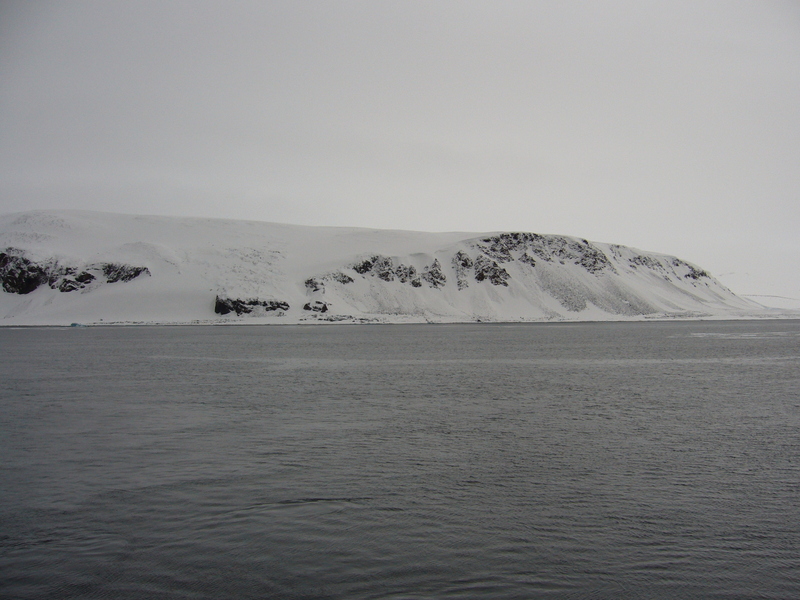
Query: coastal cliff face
point(64, 266)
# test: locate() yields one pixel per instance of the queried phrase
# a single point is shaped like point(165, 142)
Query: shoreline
point(366, 321)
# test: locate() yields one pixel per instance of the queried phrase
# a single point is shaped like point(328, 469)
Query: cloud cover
point(669, 126)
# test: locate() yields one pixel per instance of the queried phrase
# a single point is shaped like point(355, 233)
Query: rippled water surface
point(609, 460)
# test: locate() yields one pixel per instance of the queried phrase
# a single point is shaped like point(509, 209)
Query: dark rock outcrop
point(507, 247)
point(433, 275)
point(224, 306)
point(20, 275)
point(340, 277)
point(488, 269)
point(317, 284)
point(313, 284)
point(645, 261)
point(384, 268)
point(462, 263)
point(365, 266)
point(69, 279)
point(406, 273)
point(115, 272)
point(693, 272)
point(316, 306)
point(675, 268)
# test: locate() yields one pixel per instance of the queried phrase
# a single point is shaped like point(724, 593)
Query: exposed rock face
point(386, 269)
point(224, 306)
point(407, 273)
point(510, 246)
point(69, 281)
point(115, 272)
point(645, 261)
point(692, 272)
point(673, 268)
point(433, 275)
point(317, 284)
point(462, 263)
point(487, 269)
point(493, 252)
point(20, 275)
point(316, 306)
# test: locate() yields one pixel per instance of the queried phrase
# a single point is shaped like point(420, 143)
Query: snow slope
point(777, 302)
point(60, 267)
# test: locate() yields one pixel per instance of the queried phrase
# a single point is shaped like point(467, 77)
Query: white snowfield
point(64, 267)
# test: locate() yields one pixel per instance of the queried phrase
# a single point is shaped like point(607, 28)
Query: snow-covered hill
point(60, 267)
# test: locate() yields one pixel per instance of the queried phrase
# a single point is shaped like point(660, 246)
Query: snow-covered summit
point(59, 267)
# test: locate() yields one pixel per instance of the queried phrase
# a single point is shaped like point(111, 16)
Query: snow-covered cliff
point(59, 267)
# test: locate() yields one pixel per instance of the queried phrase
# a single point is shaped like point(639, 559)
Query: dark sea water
point(607, 460)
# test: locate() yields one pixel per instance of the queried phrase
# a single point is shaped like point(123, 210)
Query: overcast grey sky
point(671, 126)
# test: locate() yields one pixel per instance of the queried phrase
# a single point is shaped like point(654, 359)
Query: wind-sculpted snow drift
point(58, 267)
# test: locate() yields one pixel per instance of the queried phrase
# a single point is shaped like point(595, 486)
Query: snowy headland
point(64, 267)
